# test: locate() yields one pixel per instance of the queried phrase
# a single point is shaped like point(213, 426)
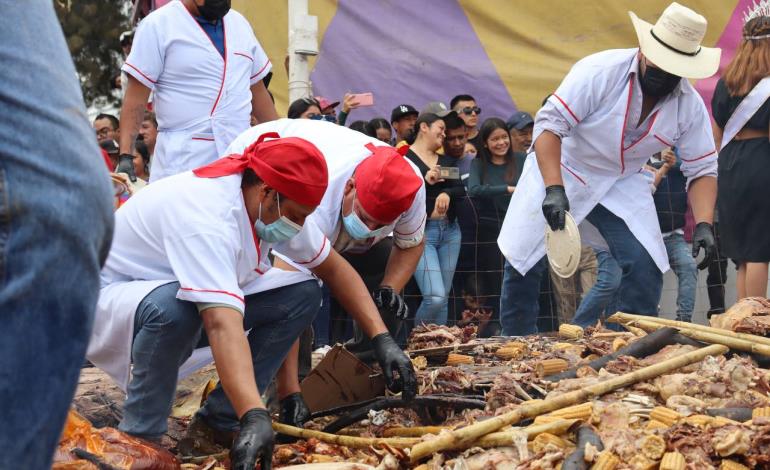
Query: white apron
point(596, 167)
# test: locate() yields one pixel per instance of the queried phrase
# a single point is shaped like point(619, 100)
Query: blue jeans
point(166, 330)
point(683, 265)
point(436, 269)
point(642, 281)
point(602, 298)
point(55, 231)
point(322, 322)
point(519, 299)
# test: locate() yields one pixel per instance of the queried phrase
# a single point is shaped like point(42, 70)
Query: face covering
point(658, 82)
point(357, 229)
point(279, 231)
point(214, 10)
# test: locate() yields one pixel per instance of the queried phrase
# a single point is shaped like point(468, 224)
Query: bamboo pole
point(414, 431)
point(707, 336)
point(347, 441)
point(462, 438)
point(505, 438)
point(622, 317)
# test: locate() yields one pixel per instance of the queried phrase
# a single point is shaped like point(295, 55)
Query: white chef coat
point(596, 110)
point(202, 100)
point(344, 149)
point(192, 230)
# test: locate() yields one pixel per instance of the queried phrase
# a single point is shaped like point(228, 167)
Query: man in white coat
point(591, 140)
point(204, 66)
point(189, 268)
point(373, 192)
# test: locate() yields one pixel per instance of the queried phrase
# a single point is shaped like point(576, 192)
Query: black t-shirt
point(454, 188)
point(723, 106)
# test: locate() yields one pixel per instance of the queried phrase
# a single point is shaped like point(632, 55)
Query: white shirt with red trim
point(195, 231)
point(343, 149)
point(596, 112)
point(201, 99)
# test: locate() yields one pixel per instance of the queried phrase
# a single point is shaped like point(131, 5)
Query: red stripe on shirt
point(567, 107)
point(210, 139)
point(663, 141)
point(699, 158)
point(141, 73)
point(243, 55)
point(213, 292)
point(574, 174)
point(224, 69)
point(316, 256)
point(652, 121)
point(625, 122)
point(261, 70)
point(418, 228)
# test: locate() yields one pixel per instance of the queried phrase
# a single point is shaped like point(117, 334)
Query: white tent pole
point(303, 43)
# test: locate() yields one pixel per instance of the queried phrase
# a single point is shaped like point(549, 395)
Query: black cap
point(110, 146)
point(519, 120)
point(401, 111)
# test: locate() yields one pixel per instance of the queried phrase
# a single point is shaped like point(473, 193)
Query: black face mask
point(657, 82)
point(214, 10)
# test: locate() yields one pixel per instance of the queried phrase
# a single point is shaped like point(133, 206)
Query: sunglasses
point(468, 110)
point(322, 117)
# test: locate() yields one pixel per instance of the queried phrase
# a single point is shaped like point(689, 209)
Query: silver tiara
point(758, 9)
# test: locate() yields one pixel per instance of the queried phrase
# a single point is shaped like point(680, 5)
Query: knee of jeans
point(434, 301)
point(310, 295)
point(175, 320)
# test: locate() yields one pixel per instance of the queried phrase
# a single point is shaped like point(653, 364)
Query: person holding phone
point(352, 101)
point(443, 190)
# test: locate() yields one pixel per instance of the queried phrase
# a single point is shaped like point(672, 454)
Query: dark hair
point(150, 116)
point(300, 106)
point(362, 127)
point(379, 123)
point(250, 178)
point(113, 120)
point(141, 147)
point(459, 98)
point(453, 121)
point(487, 128)
point(427, 118)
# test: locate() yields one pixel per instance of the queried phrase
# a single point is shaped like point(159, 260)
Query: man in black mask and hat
point(205, 69)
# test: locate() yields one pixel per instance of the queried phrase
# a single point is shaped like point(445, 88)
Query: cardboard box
point(340, 379)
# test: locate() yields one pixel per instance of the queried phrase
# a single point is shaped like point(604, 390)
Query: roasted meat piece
point(433, 336)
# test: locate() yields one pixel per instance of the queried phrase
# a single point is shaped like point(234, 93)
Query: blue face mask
point(279, 231)
point(357, 229)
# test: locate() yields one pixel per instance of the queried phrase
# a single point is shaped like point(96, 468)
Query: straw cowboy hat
point(674, 43)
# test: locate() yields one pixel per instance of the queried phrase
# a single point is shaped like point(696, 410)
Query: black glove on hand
point(391, 357)
point(388, 299)
point(126, 165)
point(704, 237)
point(555, 206)
point(255, 441)
point(294, 411)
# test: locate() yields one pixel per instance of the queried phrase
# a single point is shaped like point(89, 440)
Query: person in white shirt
point(591, 140)
point(202, 277)
point(373, 192)
point(204, 67)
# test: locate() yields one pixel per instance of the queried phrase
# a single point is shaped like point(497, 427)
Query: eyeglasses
point(322, 117)
point(468, 110)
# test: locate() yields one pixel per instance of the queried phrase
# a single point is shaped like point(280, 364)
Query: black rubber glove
point(126, 165)
point(294, 411)
point(385, 298)
point(704, 237)
point(391, 358)
point(254, 441)
point(555, 206)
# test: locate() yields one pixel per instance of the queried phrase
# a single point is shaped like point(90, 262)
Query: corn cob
point(732, 465)
point(548, 367)
point(640, 462)
point(618, 343)
point(653, 447)
point(722, 421)
point(420, 362)
point(582, 411)
point(665, 415)
point(561, 346)
point(672, 461)
point(762, 412)
point(545, 419)
point(510, 353)
point(516, 345)
point(655, 424)
point(590, 357)
point(455, 359)
point(699, 420)
point(543, 440)
point(568, 331)
point(606, 461)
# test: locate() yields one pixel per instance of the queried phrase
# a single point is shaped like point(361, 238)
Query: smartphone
point(364, 99)
point(449, 173)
